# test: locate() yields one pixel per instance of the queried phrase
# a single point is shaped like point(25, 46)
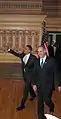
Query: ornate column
point(1, 39)
point(20, 40)
point(33, 38)
point(26, 37)
point(13, 39)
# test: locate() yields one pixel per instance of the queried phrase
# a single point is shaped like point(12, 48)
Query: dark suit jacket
point(58, 57)
point(47, 77)
point(51, 51)
point(28, 68)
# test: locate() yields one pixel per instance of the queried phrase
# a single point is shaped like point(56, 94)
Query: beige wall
point(53, 24)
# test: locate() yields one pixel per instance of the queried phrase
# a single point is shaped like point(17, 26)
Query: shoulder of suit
point(33, 56)
point(22, 54)
point(51, 59)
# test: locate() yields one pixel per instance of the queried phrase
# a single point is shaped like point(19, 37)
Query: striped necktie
point(42, 64)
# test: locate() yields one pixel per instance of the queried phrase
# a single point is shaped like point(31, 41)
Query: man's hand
point(59, 88)
point(35, 88)
point(8, 50)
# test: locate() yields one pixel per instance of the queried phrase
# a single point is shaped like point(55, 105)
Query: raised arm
point(15, 53)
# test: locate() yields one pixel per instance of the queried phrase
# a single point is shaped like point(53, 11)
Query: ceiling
point(52, 8)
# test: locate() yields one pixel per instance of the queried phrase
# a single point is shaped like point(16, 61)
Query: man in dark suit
point(45, 79)
point(51, 50)
point(27, 66)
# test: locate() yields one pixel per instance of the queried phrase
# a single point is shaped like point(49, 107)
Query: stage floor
point(11, 91)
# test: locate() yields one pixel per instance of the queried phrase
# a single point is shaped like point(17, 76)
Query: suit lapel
point(39, 62)
point(46, 60)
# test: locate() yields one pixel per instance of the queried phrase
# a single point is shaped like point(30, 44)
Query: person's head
point(27, 49)
point(41, 51)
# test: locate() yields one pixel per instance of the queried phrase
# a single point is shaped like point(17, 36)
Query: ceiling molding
point(23, 7)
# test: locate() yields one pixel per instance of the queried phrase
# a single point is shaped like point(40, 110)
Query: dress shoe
point(51, 110)
point(32, 98)
point(20, 108)
point(45, 117)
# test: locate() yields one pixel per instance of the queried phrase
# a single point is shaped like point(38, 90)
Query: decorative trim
point(20, 7)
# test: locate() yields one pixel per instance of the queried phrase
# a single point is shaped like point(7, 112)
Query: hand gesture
point(35, 88)
point(59, 88)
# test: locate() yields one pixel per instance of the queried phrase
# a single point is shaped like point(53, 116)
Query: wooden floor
point(11, 91)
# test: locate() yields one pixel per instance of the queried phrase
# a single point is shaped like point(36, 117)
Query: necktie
point(42, 64)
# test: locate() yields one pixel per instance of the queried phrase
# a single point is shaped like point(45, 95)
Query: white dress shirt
point(44, 58)
point(54, 48)
point(26, 57)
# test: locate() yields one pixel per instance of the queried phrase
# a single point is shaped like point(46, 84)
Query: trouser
point(41, 99)
point(28, 88)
